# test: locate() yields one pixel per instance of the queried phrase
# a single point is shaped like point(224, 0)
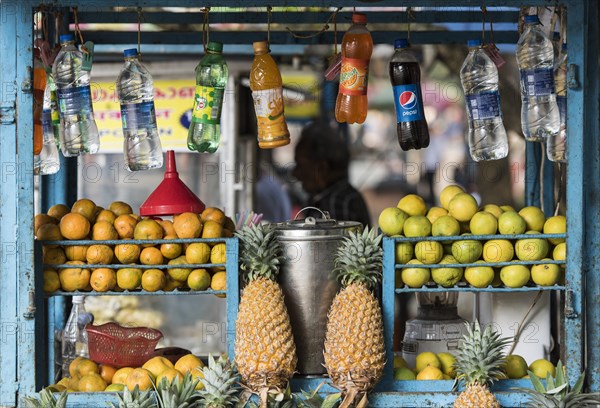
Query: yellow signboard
point(173, 100)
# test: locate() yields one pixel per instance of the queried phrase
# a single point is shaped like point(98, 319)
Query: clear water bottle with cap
point(135, 90)
point(479, 78)
point(204, 134)
point(535, 56)
point(556, 144)
point(79, 131)
point(74, 336)
point(48, 161)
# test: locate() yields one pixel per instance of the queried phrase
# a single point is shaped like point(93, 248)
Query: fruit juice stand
point(28, 317)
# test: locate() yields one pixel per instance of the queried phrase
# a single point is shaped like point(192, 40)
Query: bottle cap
point(532, 19)
point(66, 38)
point(260, 47)
point(473, 43)
point(215, 46)
point(131, 52)
point(555, 36)
point(564, 47)
point(78, 299)
point(401, 43)
point(359, 18)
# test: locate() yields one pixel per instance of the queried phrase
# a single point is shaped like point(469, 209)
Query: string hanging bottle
point(135, 89)
point(357, 46)
point(79, 130)
point(204, 134)
point(48, 160)
point(556, 144)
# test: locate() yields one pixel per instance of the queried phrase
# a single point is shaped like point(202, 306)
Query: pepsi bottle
point(405, 76)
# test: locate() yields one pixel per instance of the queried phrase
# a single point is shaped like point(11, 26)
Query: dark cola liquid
point(413, 134)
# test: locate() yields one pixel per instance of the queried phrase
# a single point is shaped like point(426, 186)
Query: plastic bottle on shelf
point(556, 144)
point(141, 145)
point(405, 76)
point(79, 130)
point(74, 336)
point(204, 134)
point(535, 57)
point(267, 93)
point(49, 162)
point(357, 45)
point(479, 77)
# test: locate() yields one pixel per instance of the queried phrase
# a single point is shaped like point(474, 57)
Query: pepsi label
point(407, 99)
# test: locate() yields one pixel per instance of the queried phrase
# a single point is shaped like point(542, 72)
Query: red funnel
point(171, 196)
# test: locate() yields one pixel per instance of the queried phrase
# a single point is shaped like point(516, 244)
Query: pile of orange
point(87, 221)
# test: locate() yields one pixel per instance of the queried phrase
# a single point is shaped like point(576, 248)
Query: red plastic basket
point(120, 346)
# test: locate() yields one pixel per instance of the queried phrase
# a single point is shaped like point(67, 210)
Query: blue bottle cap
point(473, 43)
point(532, 19)
point(401, 43)
point(555, 36)
point(66, 38)
point(131, 52)
point(564, 47)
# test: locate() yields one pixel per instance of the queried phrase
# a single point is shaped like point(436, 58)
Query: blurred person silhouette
point(322, 159)
point(271, 198)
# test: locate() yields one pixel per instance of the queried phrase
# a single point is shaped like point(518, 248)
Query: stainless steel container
point(309, 287)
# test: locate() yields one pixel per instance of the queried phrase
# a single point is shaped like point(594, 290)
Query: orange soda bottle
point(357, 46)
point(267, 93)
point(39, 86)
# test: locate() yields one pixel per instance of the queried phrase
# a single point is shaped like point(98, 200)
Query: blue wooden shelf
point(175, 292)
point(501, 289)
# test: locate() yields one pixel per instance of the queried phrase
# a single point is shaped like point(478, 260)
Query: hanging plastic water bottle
point(556, 144)
point(79, 131)
point(479, 77)
point(535, 56)
point(49, 162)
point(54, 111)
point(135, 89)
point(204, 134)
point(74, 336)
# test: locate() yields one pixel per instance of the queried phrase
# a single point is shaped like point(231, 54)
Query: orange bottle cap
point(359, 18)
point(260, 47)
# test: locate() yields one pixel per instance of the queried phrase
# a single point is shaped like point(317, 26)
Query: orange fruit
point(49, 232)
point(188, 363)
point(104, 230)
point(125, 225)
point(199, 279)
point(103, 279)
point(120, 376)
point(41, 219)
point(75, 278)
point(187, 225)
point(54, 255)
point(212, 229)
point(51, 280)
point(171, 251)
point(99, 254)
point(140, 377)
point(198, 253)
point(168, 229)
point(213, 214)
point(148, 229)
point(151, 256)
point(180, 274)
point(76, 252)
point(87, 366)
point(153, 280)
point(58, 211)
point(85, 207)
point(120, 208)
point(136, 217)
point(219, 281)
point(91, 383)
point(73, 366)
point(107, 372)
point(129, 278)
point(127, 253)
point(170, 374)
point(106, 215)
point(172, 284)
point(157, 365)
point(218, 254)
point(74, 226)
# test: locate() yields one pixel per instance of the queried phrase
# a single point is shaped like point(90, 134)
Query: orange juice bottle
point(267, 93)
point(357, 46)
point(39, 86)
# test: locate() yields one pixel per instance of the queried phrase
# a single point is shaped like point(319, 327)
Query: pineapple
point(354, 347)
point(47, 400)
point(178, 394)
point(479, 362)
point(264, 345)
point(135, 399)
point(220, 384)
point(557, 393)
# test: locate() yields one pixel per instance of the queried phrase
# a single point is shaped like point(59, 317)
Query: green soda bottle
point(204, 134)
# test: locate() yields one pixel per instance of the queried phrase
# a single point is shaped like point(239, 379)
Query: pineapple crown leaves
point(481, 358)
point(220, 384)
point(312, 399)
point(47, 400)
point(359, 259)
point(178, 394)
point(135, 399)
point(557, 392)
point(261, 252)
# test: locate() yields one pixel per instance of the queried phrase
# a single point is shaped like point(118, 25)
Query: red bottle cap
point(359, 18)
point(171, 196)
